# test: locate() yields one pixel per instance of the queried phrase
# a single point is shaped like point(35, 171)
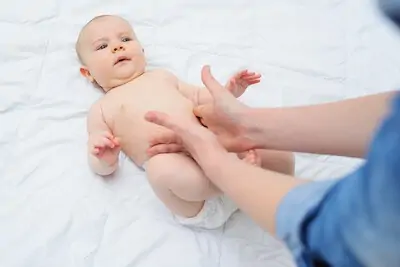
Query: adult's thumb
point(199, 111)
point(202, 110)
point(213, 86)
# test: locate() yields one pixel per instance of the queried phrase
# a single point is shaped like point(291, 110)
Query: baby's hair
point(78, 41)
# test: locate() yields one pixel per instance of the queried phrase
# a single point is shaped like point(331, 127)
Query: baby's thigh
point(180, 174)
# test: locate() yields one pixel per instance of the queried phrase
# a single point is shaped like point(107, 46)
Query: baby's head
point(109, 52)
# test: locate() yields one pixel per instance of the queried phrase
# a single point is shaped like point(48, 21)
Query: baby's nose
point(118, 48)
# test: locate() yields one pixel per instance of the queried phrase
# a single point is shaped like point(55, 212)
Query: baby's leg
point(180, 183)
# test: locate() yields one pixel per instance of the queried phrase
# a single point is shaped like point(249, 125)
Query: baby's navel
point(122, 110)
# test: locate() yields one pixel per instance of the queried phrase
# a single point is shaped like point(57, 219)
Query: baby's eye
point(126, 39)
point(101, 47)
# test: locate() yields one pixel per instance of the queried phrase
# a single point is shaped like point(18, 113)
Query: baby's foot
point(251, 157)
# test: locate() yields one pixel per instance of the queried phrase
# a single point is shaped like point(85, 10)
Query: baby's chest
point(153, 95)
point(160, 96)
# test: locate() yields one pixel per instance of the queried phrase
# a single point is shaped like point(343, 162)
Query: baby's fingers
point(242, 73)
point(256, 78)
point(95, 151)
point(107, 135)
point(109, 142)
point(253, 81)
point(104, 142)
point(98, 151)
point(251, 76)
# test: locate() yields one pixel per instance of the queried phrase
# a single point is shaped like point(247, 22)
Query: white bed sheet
point(55, 212)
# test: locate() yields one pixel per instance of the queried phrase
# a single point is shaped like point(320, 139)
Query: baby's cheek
point(102, 73)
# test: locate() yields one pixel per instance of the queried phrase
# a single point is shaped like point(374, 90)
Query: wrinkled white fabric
point(55, 212)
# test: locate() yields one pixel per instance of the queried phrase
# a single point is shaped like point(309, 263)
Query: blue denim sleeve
point(296, 207)
point(353, 221)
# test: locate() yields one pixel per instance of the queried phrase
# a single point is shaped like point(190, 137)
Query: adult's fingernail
point(151, 116)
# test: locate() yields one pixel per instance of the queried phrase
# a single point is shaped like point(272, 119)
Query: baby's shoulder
point(95, 109)
point(97, 105)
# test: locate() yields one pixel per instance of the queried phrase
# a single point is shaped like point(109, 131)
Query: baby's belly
point(135, 133)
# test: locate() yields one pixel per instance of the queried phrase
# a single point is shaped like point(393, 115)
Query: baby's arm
point(103, 147)
point(237, 85)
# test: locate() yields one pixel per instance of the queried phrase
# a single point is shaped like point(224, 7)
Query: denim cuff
point(293, 211)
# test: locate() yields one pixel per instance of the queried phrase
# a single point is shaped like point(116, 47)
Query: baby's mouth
point(121, 59)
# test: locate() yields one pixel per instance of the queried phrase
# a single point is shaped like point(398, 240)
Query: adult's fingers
point(164, 138)
point(203, 122)
point(163, 119)
point(164, 148)
point(203, 111)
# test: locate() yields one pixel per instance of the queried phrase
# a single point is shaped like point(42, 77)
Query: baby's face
point(110, 52)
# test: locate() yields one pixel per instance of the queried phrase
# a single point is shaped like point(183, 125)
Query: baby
point(113, 59)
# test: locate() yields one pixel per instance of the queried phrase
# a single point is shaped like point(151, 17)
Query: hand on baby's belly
point(126, 107)
point(135, 140)
point(135, 133)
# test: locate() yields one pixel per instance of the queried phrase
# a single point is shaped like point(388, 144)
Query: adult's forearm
point(278, 161)
point(342, 128)
point(257, 192)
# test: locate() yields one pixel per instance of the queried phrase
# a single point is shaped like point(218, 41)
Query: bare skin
point(240, 128)
point(114, 60)
point(235, 127)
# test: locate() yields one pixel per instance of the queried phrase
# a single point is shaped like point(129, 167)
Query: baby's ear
point(86, 73)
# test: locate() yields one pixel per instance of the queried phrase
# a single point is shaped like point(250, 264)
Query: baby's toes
point(250, 158)
point(246, 159)
point(255, 159)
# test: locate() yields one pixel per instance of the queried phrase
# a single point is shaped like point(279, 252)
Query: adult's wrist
point(214, 163)
point(259, 127)
point(208, 155)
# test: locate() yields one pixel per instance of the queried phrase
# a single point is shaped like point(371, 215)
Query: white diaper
point(214, 214)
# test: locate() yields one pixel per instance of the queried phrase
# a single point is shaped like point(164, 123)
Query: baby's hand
point(104, 146)
point(239, 82)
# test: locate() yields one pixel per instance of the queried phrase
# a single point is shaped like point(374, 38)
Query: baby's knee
point(181, 175)
point(159, 172)
point(172, 170)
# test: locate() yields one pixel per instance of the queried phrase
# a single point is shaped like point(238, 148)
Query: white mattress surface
point(55, 212)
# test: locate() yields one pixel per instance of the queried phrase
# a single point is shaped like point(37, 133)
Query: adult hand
point(191, 137)
point(225, 116)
